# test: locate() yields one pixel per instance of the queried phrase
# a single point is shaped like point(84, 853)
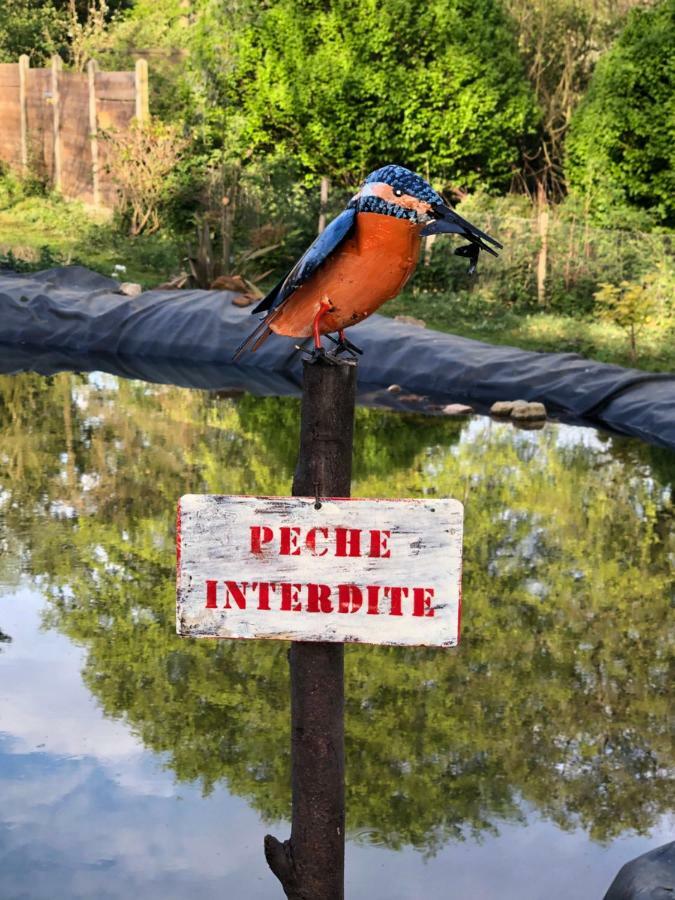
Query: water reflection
point(556, 701)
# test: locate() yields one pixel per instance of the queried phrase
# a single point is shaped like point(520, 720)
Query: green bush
point(45, 258)
point(621, 146)
point(348, 86)
point(34, 27)
point(15, 188)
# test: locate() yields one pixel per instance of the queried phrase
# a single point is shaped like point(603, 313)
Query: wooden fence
point(50, 122)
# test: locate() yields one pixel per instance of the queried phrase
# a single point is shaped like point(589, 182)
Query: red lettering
point(349, 598)
point(238, 594)
point(379, 548)
point(318, 598)
point(264, 590)
point(311, 540)
point(396, 595)
point(422, 598)
point(373, 599)
point(288, 544)
point(347, 542)
point(211, 596)
point(260, 534)
point(290, 602)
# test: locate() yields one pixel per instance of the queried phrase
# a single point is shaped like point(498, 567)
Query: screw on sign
point(322, 572)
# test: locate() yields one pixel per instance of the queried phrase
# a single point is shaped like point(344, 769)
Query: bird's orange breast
point(367, 269)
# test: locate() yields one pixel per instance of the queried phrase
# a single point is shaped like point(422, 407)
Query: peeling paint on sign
point(368, 571)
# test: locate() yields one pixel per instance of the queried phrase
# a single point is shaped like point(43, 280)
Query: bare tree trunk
point(325, 186)
point(228, 213)
point(542, 260)
point(428, 248)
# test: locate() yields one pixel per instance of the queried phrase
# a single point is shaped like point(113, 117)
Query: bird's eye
point(398, 192)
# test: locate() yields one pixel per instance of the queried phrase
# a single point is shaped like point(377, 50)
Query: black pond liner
point(70, 318)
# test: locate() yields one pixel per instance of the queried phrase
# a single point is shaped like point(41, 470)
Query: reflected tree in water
point(557, 698)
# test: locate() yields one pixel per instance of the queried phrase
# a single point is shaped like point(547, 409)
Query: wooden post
point(93, 132)
point(57, 65)
point(325, 185)
point(24, 66)
point(142, 96)
point(310, 866)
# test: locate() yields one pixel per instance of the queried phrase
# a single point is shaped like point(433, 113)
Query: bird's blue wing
point(329, 239)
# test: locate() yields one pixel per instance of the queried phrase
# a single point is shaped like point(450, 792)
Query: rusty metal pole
point(310, 865)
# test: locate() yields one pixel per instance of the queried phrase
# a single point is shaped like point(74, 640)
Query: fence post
point(142, 98)
point(93, 131)
point(24, 66)
point(311, 863)
point(57, 65)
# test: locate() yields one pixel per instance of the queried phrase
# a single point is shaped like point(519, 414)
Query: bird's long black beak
point(447, 221)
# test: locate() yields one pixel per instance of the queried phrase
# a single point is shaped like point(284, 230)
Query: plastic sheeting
point(72, 318)
point(648, 877)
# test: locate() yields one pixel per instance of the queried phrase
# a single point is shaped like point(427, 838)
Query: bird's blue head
point(396, 191)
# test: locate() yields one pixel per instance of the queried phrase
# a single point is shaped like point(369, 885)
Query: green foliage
point(14, 189)
point(630, 305)
point(621, 146)
point(560, 41)
point(159, 31)
point(347, 87)
point(579, 259)
point(45, 259)
point(41, 231)
point(34, 27)
point(557, 699)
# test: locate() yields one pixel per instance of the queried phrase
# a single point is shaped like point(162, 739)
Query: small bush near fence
point(142, 161)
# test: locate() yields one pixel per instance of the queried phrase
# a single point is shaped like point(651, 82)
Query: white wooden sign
point(372, 571)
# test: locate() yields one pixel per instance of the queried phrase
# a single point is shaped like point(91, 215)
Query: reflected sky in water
point(530, 764)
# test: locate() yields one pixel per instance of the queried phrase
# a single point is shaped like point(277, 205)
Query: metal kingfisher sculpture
point(362, 259)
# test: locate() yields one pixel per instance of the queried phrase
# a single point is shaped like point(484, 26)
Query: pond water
point(530, 763)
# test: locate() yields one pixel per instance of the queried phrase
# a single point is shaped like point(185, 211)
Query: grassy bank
point(45, 231)
point(546, 332)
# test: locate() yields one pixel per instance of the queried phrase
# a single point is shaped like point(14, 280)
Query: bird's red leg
point(325, 306)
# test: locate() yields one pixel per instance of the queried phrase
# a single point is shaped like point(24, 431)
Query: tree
point(345, 87)
point(560, 41)
point(628, 305)
point(621, 145)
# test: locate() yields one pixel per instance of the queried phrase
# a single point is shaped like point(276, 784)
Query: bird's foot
point(344, 345)
point(319, 356)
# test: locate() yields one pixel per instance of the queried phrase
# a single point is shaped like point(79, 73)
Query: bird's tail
point(259, 334)
point(254, 340)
